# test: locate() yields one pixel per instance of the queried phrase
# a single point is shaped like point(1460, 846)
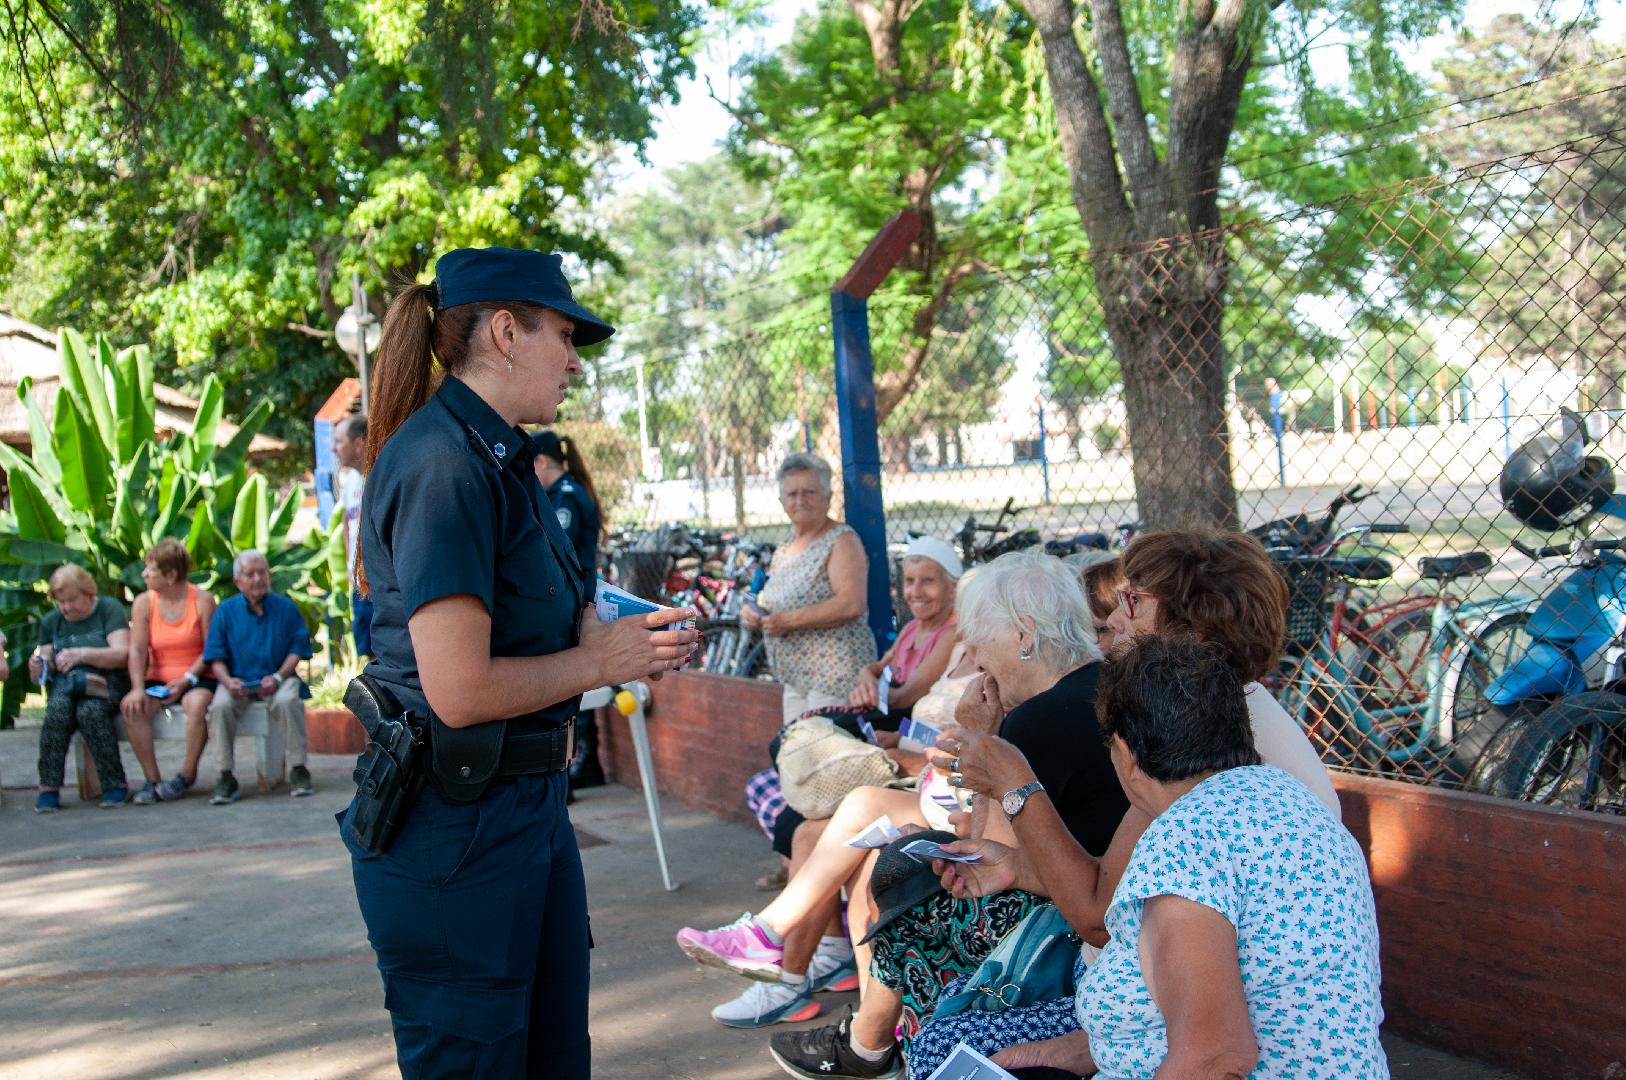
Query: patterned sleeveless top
point(821, 661)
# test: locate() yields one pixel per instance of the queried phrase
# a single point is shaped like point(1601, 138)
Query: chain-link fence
point(1403, 342)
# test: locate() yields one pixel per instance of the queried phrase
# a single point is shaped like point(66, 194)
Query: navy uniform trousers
point(478, 913)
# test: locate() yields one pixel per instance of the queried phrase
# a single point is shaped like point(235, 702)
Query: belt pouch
point(464, 761)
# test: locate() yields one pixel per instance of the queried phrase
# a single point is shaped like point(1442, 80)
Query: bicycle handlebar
point(1390, 527)
point(1556, 551)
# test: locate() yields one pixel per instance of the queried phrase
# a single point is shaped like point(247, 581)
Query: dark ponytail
point(403, 371)
point(403, 378)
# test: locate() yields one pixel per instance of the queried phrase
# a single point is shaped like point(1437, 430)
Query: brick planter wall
point(707, 735)
point(334, 731)
point(1503, 925)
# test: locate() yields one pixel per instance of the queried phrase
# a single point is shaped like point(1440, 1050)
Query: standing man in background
point(350, 450)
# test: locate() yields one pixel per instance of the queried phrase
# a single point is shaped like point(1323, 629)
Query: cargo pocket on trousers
point(463, 1012)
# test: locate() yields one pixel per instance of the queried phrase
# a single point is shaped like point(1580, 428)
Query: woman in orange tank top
point(168, 626)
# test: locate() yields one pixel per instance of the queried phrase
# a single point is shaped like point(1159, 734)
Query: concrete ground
point(190, 940)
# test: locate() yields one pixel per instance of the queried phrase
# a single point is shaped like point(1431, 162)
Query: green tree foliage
point(99, 488)
point(1558, 267)
point(696, 251)
point(936, 107)
point(213, 174)
point(1149, 100)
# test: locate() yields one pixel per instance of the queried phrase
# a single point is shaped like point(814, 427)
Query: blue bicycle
point(1397, 687)
point(1564, 739)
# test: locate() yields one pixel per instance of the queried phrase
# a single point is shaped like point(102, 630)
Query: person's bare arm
point(115, 654)
point(206, 614)
point(137, 662)
point(925, 676)
point(466, 685)
point(1081, 884)
point(1189, 959)
point(849, 572)
point(866, 694)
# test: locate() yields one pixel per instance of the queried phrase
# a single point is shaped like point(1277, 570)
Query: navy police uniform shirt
point(578, 517)
point(453, 506)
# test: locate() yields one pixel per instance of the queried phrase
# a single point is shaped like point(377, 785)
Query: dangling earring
point(508, 358)
point(1026, 653)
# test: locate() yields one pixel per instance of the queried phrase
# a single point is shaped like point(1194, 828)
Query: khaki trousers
point(285, 707)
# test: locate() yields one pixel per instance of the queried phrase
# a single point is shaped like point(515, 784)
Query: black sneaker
point(226, 791)
point(826, 1053)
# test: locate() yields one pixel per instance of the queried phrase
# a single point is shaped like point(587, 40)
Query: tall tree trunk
point(1167, 337)
point(737, 461)
point(1160, 271)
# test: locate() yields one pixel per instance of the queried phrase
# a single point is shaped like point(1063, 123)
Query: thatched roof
point(27, 350)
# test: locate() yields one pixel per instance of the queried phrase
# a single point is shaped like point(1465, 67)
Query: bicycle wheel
point(1573, 754)
point(719, 644)
point(1468, 721)
point(1396, 673)
point(753, 664)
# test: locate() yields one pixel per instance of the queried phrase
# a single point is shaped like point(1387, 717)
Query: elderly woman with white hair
point(920, 655)
point(1026, 623)
point(813, 607)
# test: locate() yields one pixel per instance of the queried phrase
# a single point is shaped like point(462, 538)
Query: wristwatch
point(1013, 800)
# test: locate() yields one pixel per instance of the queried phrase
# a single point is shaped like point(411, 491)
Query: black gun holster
point(392, 772)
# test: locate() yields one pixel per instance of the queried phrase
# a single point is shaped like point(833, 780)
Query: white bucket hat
point(938, 551)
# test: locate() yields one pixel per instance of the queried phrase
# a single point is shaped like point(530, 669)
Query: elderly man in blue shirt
point(256, 641)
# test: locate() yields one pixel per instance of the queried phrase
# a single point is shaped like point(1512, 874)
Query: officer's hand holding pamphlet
point(614, 603)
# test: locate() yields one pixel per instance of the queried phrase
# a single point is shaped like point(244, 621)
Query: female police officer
point(563, 473)
point(569, 487)
point(477, 909)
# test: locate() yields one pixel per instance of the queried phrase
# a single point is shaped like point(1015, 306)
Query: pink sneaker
point(740, 947)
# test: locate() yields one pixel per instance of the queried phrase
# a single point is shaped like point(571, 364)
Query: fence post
point(1276, 426)
point(855, 407)
point(1044, 452)
point(1507, 423)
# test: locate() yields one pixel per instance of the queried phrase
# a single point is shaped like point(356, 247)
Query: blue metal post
point(861, 451)
point(1507, 423)
point(1276, 426)
point(323, 473)
point(1044, 453)
point(1411, 407)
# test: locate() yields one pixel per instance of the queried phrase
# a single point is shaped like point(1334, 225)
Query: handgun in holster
point(391, 774)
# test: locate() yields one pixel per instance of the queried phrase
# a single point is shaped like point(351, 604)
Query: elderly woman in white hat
point(920, 655)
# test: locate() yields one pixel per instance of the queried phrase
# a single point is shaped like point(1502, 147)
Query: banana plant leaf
point(251, 517)
point(39, 433)
point(35, 518)
point(83, 455)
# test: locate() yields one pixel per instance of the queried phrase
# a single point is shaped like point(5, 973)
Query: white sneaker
point(767, 1003)
point(833, 971)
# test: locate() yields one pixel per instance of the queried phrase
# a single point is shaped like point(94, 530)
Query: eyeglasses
point(1126, 599)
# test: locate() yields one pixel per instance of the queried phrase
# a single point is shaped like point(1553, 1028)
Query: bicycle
point(727, 646)
point(1366, 707)
point(1564, 742)
point(973, 553)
